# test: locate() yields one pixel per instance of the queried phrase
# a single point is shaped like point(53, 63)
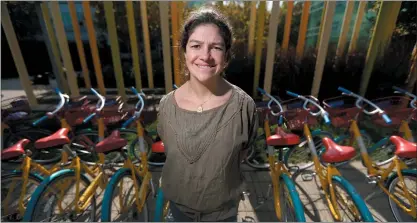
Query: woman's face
point(205, 54)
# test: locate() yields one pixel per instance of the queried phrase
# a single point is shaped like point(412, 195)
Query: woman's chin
point(205, 77)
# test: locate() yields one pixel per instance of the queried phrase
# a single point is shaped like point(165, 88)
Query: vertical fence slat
point(79, 42)
point(93, 46)
point(163, 13)
point(340, 51)
point(384, 27)
point(175, 52)
point(146, 43)
point(259, 44)
point(303, 30)
point(321, 22)
point(287, 27)
point(114, 45)
point(133, 43)
point(52, 45)
point(63, 46)
point(323, 46)
point(412, 76)
point(6, 22)
point(252, 25)
point(357, 27)
point(272, 42)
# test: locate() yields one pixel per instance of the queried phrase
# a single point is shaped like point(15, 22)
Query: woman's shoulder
point(165, 100)
point(245, 99)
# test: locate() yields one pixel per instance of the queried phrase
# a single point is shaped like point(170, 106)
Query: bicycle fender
point(298, 206)
point(107, 199)
point(393, 175)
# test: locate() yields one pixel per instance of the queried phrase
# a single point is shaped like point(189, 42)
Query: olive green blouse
point(202, 172)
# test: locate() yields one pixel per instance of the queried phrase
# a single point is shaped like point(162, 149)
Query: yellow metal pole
point(63, 46)
point(80, 47)
point(340, 51)
point(146, 43)
point(259, 43)
point(163, 13)
point(323, 45)
point(322, 21)
point(133, 43)
point(175, 52)
point(412, 76)
point(303, 31)
point(287, 27)
point(54, 47)
point(272, 41)
point(6, 22)
point(114, 45)
point(357, 27)
point(93, 45)
point(252, 24)
point(384, 27)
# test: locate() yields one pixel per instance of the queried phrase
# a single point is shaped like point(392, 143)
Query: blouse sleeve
point(253, 122)
point(160, 118)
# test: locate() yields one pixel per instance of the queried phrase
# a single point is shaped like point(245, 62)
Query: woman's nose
point(205, 53)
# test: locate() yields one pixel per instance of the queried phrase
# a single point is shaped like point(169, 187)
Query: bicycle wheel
point(134, 149)
point(39, 156)
point(395, 188)
point(118, 206)
point(299, 157)
point(291, 206)
point(257, 156)
point(162, 211)
point(11, 186)
point(349, 203)
point(44, 206)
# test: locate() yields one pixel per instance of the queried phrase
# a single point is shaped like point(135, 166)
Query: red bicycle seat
point(112, 142)
point(59, 138)
point(336, 153)
point(14, 151)
point(404, 148)
point(158, 147)
point(281, 138)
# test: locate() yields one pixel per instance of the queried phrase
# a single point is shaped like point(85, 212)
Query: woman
point(206, 125)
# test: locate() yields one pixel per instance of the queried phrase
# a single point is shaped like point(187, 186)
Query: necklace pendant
point(200, 109)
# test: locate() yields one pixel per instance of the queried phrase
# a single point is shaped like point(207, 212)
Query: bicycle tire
point(109, 192)
point(294, 199)
point(46, 183)
point(303, 140)
point(17, 174)
point(359, 203)
point(37, 155)
point(390, 186)
point(148, 144)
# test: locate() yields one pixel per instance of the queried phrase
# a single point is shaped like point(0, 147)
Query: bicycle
point(284, 191)
point(329, 177)
point(55, 184)
point(141, 177)
point(388, 178)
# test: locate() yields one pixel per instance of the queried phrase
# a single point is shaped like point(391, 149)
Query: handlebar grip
point(386, 118)
point(57, 90)
point(175, 86)
point(326, 119)
point(89, 118)
point(94, 91)
point(399, 89)
point(128, 122)
point(134, 90)
point(280, 120)
point(35, 123)
point(344, 90)
point(261, 90)
point(292, 94)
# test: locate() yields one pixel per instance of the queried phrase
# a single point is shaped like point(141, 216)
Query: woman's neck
point(204, 90)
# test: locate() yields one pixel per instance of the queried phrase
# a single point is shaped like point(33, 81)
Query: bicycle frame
point(380, 175)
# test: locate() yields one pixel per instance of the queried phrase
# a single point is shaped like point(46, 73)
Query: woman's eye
point(195, 46)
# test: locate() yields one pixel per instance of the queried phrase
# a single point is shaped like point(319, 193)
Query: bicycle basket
point(295, 116)
point(341, 110)
point(396, 107)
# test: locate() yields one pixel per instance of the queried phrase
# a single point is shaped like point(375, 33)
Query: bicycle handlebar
point(272, 99)
point(362, 99)
point(99, 106)
point(413, 102)
point(321, 111)
point(63, 99)
point(137, 113)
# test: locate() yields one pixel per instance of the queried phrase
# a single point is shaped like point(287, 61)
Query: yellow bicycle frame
point(325, 175)
point(383, 173)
